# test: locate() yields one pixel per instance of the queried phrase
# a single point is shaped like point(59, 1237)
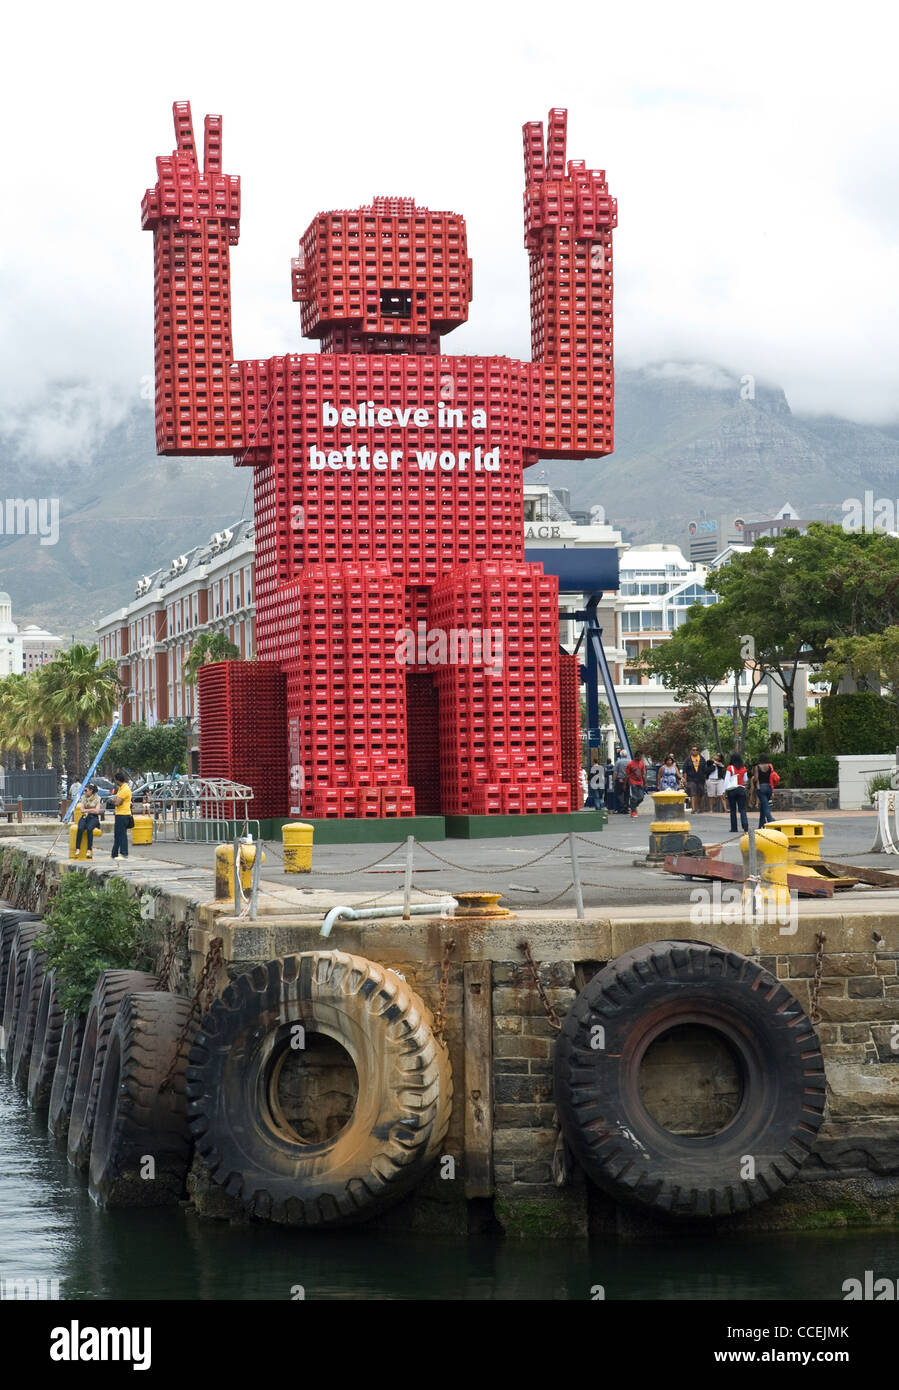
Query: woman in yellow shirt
point(122, 822)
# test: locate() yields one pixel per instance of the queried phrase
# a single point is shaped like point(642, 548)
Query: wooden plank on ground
point(878, 878)
point(810, 887)
point(478, 1032)
point(700, 866)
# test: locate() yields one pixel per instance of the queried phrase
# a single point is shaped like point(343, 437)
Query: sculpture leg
point(346, 695)
point(493, 630)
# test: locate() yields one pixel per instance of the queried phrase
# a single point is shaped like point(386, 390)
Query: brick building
point(208, 589)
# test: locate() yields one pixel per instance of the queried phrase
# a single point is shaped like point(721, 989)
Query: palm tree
point(45, 720)
point(209, 646)
point(81, 694)
point(15, 730)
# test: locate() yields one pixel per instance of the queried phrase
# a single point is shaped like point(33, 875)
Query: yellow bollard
point(73, 834)
point(142, 834)
point(773, 867)
point(297, 840)
point(224, 869)
point(803, 838)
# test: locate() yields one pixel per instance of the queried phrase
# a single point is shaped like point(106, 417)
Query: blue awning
point(581, 570)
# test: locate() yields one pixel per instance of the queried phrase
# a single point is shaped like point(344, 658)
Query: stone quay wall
point(503, 1132)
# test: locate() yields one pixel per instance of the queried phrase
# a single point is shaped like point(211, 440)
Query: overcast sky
point(753, 149)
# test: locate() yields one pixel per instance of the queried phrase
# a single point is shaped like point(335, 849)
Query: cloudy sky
point(754, 151)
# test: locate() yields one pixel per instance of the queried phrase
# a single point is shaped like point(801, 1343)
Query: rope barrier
point(469, 868)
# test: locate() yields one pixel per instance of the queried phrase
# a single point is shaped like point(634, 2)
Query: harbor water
point(51, 1231)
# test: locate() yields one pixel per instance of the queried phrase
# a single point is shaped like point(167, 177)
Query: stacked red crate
point(195, 216)
point(570, 724)
point(498, 688)
point(243, 721)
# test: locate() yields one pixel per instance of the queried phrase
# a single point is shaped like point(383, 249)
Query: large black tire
point(23, 939)
point(65, 1074)
point(135, 1120)
point(48, 1026)
point(109, 991)
point(10, 917)
point(635, 1000)
point(401, 1111)
point(26, 1015)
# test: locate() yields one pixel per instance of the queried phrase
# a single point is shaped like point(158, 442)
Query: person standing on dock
point(620, 781)
point(696, 770)
point(735, 791)
point(123, 820)
point(636, 781)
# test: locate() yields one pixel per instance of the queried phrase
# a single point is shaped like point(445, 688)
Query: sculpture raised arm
point(194, 215)
point(568, 219)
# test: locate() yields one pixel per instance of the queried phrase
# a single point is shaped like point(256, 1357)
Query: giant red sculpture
point(420, 649)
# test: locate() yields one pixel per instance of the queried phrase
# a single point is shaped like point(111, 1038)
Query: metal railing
point(207, 810)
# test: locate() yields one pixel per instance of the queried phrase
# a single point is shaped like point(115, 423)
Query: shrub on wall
point(90, 927)
point(860, 723)
point(820, 770)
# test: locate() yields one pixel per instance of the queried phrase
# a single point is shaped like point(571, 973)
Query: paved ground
point(611, 881)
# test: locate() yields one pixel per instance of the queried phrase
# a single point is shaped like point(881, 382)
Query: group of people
point(92, 809)
point(627, 782)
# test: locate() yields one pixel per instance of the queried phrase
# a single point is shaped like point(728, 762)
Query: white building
point(11, 661)
point(39, 646)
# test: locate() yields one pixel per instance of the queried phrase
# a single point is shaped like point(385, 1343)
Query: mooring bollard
point(767, 849)
point(670, 831)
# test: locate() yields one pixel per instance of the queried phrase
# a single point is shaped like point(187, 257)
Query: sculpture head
point(391, 271)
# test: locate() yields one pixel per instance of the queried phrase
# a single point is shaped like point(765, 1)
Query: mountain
point(122, 512)
point(687, 437)
point(690, 437)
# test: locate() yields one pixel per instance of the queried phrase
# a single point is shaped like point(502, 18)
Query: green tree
point(874, 656)
point(701, 655)
point(16, 728)
point(209, 647)
point(139, 749)
point(677, 730)
point(80, 693)
point(795, 594)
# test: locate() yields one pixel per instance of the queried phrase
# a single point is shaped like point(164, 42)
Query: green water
point(50, 1228)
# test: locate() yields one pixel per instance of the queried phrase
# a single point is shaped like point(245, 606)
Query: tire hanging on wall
point(48, 1026)
point(26, 1015)
point(401, 1112)
point(10, 917)
point(109, 991)
point(65, 1074)
point(23, 939)
point(135, 1120)
point(634, 1001)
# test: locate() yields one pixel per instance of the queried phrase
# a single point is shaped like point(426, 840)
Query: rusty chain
point(814, 1011)
point(617, 849)
point(163, 975)
point(360, 869)
point(551, 1015)
point(440, 1016)
point(206, 987)
point(469, 868)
